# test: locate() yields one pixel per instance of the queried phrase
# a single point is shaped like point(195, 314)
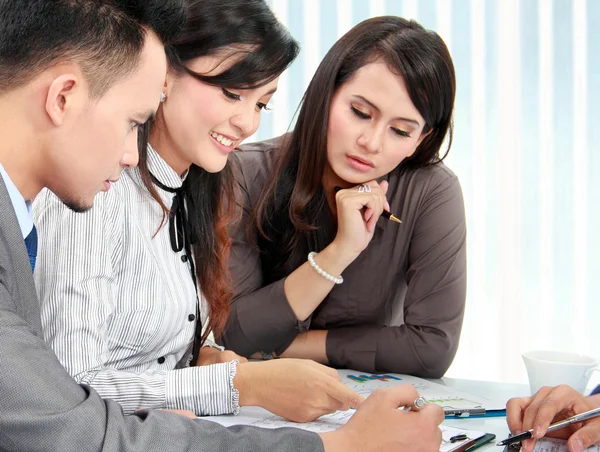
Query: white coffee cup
point(547, 368)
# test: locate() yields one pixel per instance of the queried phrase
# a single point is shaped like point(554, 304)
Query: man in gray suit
point(77, 78)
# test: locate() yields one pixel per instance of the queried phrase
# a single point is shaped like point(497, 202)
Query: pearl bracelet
point(320, 271)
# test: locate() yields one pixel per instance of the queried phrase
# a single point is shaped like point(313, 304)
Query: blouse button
point(191, 317)
point(184, 258)
point(161, 360)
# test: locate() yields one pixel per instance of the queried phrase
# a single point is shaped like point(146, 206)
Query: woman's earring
point(163, 97)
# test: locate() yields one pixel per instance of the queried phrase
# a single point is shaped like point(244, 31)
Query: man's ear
point(62, 97)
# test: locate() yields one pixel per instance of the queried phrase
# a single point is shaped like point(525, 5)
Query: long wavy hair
point(211, 26)
point(287, 213)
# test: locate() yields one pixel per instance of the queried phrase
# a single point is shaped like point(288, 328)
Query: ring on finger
point(364, 188)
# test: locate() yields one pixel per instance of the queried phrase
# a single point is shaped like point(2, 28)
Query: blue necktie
point(31, 242)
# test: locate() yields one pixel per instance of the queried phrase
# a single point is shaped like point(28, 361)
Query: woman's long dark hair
point(265, 50)
point(287, 212)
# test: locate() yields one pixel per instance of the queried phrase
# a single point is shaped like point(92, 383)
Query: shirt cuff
point(212, 344)
point(235, 394)
point(205, 390)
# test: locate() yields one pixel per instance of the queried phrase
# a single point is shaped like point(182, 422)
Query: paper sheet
point(449, 432)
point(549, 445)
point(324, 424)
point(556, 445)
point(332, 422)
point(445, 396)
point(365, 384)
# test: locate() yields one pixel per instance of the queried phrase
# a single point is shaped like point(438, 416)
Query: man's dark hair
point(105, 37)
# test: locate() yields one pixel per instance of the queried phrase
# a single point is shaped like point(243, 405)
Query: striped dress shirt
point(119, 305)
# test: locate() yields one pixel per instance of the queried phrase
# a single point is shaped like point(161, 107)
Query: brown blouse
point(401, 305)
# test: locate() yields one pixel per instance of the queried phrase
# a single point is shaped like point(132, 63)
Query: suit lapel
point(17, 260)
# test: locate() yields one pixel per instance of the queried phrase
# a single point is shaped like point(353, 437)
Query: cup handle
point(588, 373)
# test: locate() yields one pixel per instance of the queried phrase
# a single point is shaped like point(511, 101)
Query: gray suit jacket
point(43, 409)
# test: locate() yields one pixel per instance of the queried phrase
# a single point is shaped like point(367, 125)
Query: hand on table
point(379, 426)
point(297, 389)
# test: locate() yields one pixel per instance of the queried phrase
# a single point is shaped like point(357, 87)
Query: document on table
point(256, 418)
point(448, 398)
point(365, 384)
point(556, 445)
point(549, 445)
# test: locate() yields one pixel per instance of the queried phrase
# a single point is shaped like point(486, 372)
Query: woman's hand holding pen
point(549, 405)
point(357, 215)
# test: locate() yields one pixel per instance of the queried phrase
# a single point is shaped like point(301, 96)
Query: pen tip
point(501, 443)
point(393, 218)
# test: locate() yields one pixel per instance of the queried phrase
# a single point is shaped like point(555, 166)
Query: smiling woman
point(205, 116)
point(368, 138)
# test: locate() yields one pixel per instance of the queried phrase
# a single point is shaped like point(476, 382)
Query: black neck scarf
point(181, 239)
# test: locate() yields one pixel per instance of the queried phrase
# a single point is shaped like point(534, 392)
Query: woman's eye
point(230, 95)
point(262, 106)
point(360, 114)
point(401, 133)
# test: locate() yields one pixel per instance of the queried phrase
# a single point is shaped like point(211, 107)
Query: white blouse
point(119, 305)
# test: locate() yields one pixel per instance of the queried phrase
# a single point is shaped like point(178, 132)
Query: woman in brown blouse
point(377, 296)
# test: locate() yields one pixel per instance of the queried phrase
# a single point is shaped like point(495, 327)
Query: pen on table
point(556, 426)
point(386, 213)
